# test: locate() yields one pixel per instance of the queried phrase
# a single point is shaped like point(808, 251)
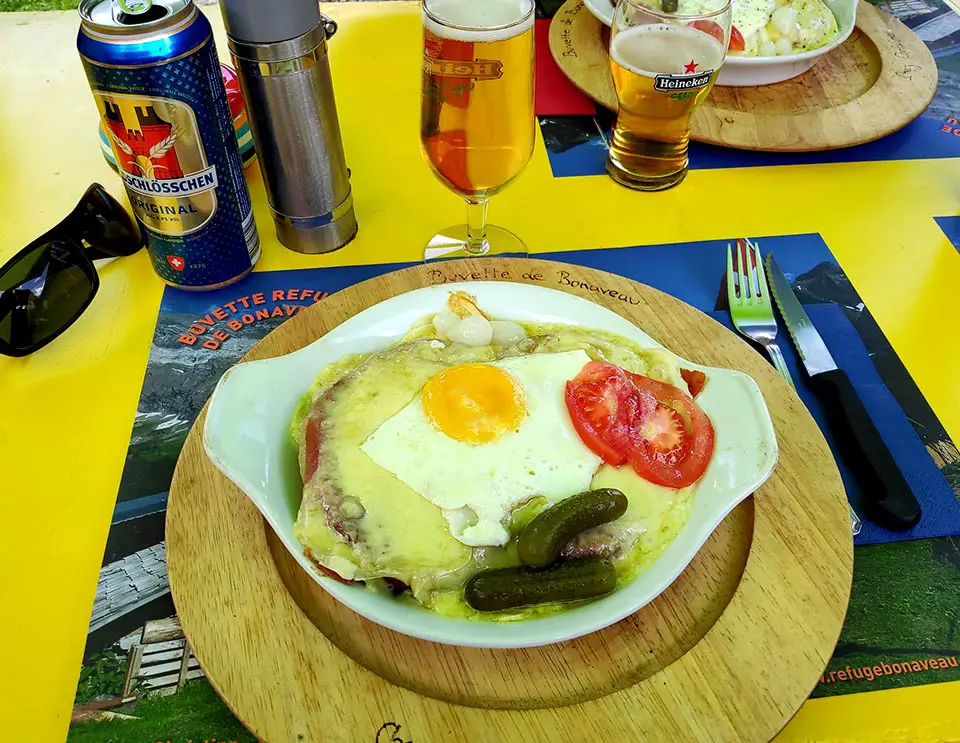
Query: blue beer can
point(156, 81)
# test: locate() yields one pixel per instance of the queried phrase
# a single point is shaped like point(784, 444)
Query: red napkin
point(556, 95)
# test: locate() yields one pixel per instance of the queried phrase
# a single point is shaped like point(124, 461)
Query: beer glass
point(664, 64)
point(476, 113)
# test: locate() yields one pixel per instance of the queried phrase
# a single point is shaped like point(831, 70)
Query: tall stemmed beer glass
point(665, 56)
point(476, 116)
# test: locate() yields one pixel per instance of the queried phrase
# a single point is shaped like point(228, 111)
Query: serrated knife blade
point(813, 351)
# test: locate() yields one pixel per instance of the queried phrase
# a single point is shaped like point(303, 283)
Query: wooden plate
point(728, 653)
point(878, 81)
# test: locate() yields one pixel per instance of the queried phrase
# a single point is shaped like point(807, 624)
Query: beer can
point(156, 81)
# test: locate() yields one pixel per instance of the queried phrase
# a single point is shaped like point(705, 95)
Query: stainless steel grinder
point(279, 48)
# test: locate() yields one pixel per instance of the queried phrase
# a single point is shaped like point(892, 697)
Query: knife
point(887, 498)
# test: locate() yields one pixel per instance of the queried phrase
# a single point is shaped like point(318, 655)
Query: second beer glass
point(664, 64)
point(476, 116)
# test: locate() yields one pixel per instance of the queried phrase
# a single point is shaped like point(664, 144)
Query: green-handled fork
point(750, 304)
point(751, 309)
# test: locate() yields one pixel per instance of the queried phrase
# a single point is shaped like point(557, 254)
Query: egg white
point(477, 486)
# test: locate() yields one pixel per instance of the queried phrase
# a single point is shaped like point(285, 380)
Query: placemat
point(951, 228)
point(900, 626)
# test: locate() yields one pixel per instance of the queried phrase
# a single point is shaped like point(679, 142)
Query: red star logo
point(176, 262)
point(692, 67)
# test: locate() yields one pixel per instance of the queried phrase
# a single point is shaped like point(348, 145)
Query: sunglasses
point(46, 286)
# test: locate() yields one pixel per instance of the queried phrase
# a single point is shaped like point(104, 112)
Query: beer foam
point(486, 19)
point(664, 48)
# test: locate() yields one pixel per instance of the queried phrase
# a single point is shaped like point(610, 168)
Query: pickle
point(669, 6)
point(509, 588)
point(544, 537)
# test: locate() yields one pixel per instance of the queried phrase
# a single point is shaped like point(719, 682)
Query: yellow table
point(67, 410)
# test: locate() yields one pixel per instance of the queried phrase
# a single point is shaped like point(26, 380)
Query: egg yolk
point(473, 403)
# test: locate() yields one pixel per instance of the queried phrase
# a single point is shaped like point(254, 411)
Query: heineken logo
point(673, 83)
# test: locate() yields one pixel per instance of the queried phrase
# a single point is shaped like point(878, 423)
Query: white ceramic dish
point(247, 437)
point(742, 71)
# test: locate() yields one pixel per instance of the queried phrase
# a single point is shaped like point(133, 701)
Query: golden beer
point(477, 120)
point(661, 72)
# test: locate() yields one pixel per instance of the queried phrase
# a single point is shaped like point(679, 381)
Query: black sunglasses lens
point(42, 293)
point(106, 224)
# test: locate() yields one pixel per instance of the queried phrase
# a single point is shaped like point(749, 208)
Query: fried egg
point(482, 438)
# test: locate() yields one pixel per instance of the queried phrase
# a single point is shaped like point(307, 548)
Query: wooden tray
point(728, 653)
point(878, 81)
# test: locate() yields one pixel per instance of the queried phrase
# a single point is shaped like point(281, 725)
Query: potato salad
point(770, 28)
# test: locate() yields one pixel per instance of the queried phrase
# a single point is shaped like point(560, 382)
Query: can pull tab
point(329, 25)
point(134, 7)
point(135, 12)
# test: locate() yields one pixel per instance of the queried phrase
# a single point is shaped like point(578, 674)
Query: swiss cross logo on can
point(176, 262)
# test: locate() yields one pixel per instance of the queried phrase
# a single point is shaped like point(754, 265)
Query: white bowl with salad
point(771, 40)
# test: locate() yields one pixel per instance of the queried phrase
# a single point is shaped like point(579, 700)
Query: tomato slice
point(598, 400)
point(657, 428)
point(709, 27)
point(663, 430)
point(336, 576)
point(696, 380)
point(737, 44)
point(657, 456)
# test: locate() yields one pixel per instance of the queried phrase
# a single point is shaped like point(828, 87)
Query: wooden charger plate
point(728, 653)
point(875, 83)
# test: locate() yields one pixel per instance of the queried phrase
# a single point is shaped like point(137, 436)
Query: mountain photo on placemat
point(139, 680)
point(903, 622)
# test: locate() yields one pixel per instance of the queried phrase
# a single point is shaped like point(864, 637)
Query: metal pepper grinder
point(279, 48)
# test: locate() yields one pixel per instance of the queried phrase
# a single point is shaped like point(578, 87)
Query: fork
point(752, 314)
point(750, 305)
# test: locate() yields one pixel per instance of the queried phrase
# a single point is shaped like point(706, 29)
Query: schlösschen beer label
point(171, 184)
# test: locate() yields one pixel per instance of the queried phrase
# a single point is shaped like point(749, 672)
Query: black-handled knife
point(887, 498)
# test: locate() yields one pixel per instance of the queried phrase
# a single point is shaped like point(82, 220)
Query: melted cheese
point(654, 517)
